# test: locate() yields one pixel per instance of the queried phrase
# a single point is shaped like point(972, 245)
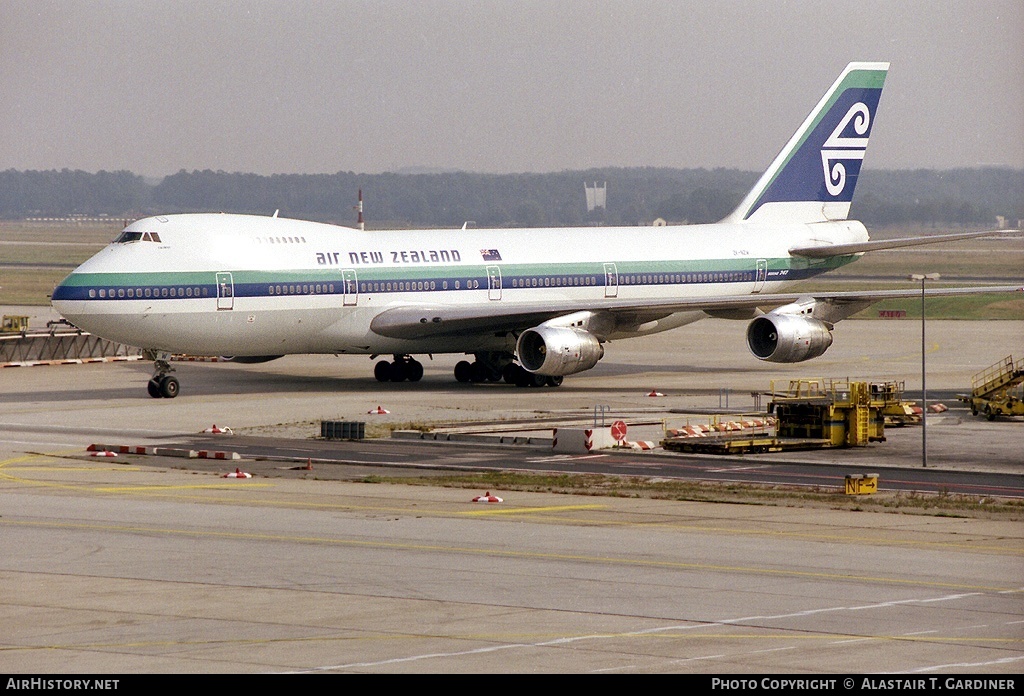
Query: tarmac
point(112, 567)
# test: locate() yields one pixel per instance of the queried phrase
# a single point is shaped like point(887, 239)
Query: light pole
point(924, 389)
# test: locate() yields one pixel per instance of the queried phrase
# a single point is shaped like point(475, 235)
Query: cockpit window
point(127, 236)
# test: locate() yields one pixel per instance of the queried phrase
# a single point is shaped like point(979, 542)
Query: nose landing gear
point(163, 384)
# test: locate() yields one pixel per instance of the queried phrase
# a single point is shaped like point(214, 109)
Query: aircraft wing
point(824, 251)
point(424, 321)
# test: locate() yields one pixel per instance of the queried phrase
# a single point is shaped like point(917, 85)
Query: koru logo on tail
point(838, 148)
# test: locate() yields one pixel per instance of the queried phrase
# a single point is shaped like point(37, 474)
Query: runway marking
point(525, 510)
point(248, 483)
point(12, 465)
point(391, 509)
point(564, 458)
point(738, 468)
point(961, 665)
point(674, 631)
point(619, 636)
point(505, 553)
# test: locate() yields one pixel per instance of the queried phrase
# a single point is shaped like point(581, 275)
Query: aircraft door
point(493, 283)
point(225, 291)
point(611, 280)
point(349, 287)
point(760, 275)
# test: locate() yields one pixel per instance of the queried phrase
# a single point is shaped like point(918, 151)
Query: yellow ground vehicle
point(14, 324)
point(998, 390)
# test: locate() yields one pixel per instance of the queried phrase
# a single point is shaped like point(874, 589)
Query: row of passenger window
point(403, 286)
point(652, 278)
point(142, 293)
point(304, 289)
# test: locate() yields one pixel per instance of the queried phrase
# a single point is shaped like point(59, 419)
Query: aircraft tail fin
point(813, 178)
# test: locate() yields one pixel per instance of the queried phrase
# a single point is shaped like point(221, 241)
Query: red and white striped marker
point(216, 430)
point(655, 393)
point(104, 453)
point(487, 498)
point(379, 410)
point(238, 473)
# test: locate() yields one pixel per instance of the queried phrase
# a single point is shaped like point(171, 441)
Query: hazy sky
point(298, 86)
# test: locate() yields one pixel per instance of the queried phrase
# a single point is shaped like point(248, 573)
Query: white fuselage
point(214, 284)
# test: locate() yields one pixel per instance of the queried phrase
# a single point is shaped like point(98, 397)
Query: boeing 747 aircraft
point(530, 305)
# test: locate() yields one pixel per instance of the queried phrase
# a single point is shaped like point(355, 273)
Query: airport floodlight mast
point(924, 389)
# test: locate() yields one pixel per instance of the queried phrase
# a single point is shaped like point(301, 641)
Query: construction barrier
point(30, 349)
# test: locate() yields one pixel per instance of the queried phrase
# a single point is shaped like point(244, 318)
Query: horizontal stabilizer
point(824, 251)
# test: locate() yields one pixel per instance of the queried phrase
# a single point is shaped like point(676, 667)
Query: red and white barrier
point(378, 411)
point(206, 454)
point(487, 498)
point(237, 473)
point(216, 430)
point(581, 440)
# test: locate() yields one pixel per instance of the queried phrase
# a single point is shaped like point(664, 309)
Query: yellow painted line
point(123, 467)
point(505, 553)
point(169, 487)
point(525, 510)
point(168, 491)
point(12, 465)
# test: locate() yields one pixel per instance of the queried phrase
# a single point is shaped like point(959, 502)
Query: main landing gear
point(403, 368)
point(163, 384)
point(495, 367)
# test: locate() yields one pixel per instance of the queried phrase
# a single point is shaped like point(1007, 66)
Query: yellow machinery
point(846, 414)
point(14, 324)
point(895, 411)
point(811, 414)
point(997, 390)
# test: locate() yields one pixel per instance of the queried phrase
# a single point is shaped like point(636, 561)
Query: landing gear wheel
point(169, 387)
point(382, 371)
point(414, 370)
point(399, 371)
point(479, 372)
point(463, 371)
point(555, 381)
point(154, 388)
point(524, 379)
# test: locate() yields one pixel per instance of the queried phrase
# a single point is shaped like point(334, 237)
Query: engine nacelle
point(558, 350)
point(786, 338)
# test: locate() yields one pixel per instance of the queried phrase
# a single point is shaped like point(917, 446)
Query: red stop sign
point(619, 430)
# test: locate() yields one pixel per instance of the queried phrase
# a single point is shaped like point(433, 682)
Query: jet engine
point(788, 338)
point(558, 350)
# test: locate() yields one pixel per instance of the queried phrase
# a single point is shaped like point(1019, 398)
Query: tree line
point(450, 199)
